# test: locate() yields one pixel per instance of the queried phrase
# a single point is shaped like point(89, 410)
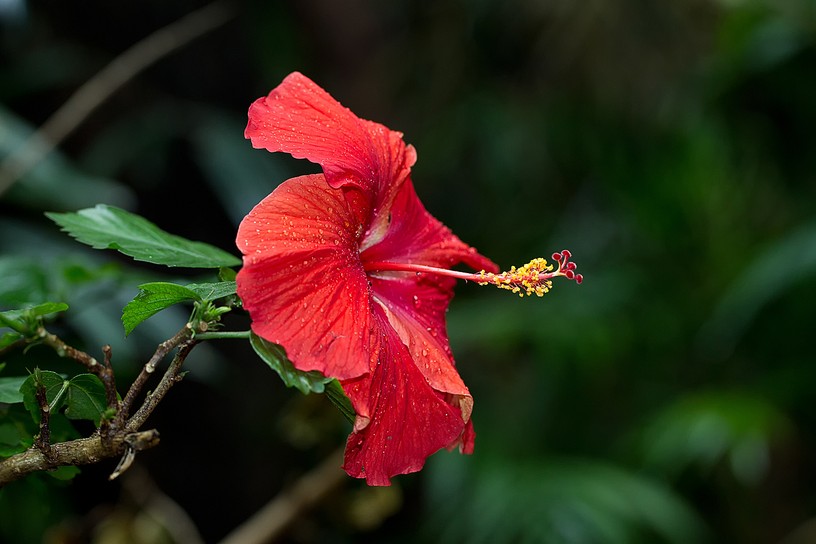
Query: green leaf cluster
point(156, 296)
point(25, 323)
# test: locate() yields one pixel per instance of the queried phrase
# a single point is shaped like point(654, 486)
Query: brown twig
point(109, 379)
point(43, 439)
point(64, 350)
point(270, 521)
point(82, 451)
point(147, 370)
point(106, 82)
point(171, 377)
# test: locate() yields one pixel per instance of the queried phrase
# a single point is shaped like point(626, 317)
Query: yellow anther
point(534, 278)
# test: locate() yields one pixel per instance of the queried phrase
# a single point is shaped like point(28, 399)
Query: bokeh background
point(668, 145)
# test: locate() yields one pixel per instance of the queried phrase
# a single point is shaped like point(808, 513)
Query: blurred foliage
point(669, 146)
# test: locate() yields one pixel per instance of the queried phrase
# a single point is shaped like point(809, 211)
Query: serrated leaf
point(107, 227)
point(55, 386)
point(212, 291)
point(275, 356)
point(10, 389)
point(86, 398)
point(153, 298)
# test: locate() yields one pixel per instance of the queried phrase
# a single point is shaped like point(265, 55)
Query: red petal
point(415, 308)
point(300, 118)
point(302, 281)
point(406, 419)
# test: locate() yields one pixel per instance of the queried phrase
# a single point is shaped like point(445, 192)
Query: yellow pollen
point(534, 278)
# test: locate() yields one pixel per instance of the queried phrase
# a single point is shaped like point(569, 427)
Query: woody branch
point(120, 437)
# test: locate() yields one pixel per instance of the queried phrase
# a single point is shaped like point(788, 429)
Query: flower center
point(534, 278)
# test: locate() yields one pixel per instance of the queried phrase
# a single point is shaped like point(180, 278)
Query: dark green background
point(668, 145)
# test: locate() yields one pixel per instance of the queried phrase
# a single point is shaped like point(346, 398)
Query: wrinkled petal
point(415, 309)
point(302, 281)
point(407, 420)
point(300, 118)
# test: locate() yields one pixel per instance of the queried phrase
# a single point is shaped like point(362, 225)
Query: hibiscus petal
point(300, 118)
point(302, 282)
point(408, 420)
point(415, 308)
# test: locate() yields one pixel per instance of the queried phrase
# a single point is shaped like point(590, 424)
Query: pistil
point(534, 278)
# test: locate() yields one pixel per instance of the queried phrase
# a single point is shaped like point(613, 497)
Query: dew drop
point(424, 352)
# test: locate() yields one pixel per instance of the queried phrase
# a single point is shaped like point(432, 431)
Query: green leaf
point(107, 227)
point(19, 319)
point(275, 356)
point(212, 291)
point(55, 386)
point(86, 398)
point(153, 298)
point(337, 396)
point(10, 389)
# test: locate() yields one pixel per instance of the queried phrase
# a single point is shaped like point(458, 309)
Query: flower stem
point(224, 334)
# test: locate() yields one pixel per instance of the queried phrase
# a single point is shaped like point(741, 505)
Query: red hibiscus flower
point(351, 275)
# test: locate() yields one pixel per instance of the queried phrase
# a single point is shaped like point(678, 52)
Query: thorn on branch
point(134, 443)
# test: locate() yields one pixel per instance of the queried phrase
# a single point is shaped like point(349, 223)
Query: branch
point(136, 387)
point(108, 379)
point(106, 82)
point(64, 350)
point(171, 377)
point(270, 521)
point(43, 439)
point(82, 451)
point(111, 441)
